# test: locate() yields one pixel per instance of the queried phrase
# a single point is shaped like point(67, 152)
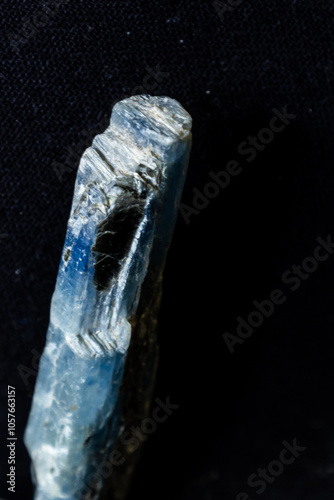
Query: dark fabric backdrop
point(230, 65)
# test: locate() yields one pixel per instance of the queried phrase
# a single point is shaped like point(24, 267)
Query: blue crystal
point(125, 203)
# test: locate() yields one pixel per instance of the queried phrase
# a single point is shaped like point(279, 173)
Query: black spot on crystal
point(67, 254)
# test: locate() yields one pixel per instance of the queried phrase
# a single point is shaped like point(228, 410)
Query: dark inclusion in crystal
point(114, 237)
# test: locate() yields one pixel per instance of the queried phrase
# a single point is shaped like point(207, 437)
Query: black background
point(235, 409)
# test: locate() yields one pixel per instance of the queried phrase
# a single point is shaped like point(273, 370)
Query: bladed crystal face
point(97, 370)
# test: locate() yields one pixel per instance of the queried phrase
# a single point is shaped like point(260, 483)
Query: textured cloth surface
point(234, 66)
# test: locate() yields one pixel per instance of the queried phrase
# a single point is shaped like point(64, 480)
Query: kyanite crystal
point(125, 203)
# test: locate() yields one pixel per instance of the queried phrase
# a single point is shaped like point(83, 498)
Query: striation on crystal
point(108, 289)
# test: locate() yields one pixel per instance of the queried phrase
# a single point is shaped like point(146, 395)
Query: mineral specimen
point(125, 203)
